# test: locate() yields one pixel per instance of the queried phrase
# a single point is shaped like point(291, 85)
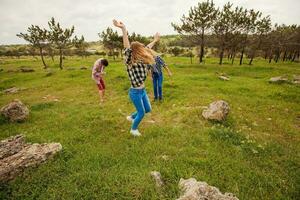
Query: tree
point(176, 51)
point(138, 38)
point(111, 41)
point(38, 38)
point(248, 24)
point(60, 38)
point(263, 27)
point(80, 45)
point(199, 21)
point(225, 27)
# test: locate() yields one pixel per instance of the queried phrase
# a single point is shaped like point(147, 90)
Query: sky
point(141, 16)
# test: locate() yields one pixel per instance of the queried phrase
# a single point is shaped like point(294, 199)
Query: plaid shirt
point(137, 72)
point(159, 64)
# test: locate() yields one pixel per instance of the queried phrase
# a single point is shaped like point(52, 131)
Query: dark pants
point(157, 85)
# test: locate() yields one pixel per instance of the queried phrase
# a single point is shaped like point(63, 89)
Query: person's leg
point(101, 89)
point(160, 81)
point(155, 81)
point(146, 102)
point(136, 98)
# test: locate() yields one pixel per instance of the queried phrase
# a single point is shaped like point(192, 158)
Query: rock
point(157, 178)
point(194, 190)
point(83, 68)
point(11, 90)
point(11, 146)
point(26, 69)
point(1, 69)
point(296, 79)
point(165, 157)
point(278, 79)
point(21, 156)
point(224, 78)
point(217, 110)
point(15, 111)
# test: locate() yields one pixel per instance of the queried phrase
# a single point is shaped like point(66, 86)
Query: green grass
point(248, 154)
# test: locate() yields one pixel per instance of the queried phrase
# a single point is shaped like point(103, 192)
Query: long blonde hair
point(141, 53)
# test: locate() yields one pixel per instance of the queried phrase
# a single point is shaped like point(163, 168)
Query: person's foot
point(129, 118)
point(135, 133)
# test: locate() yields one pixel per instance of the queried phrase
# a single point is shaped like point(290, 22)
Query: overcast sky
point(142, 16)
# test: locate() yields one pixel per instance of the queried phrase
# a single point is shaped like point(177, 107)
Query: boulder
point(157, 178)
point(217, 110)
point(15, 111)
point(278, 79)
point(197, 190)
point(16, 156)
point(11, 90)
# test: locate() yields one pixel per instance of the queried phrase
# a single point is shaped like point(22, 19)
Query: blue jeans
point(141, 102)
point(157, 85)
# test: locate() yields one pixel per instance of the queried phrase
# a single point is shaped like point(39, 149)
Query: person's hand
point(118, 24)
point(156, 37)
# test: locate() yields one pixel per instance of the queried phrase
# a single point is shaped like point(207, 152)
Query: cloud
point(93, 16)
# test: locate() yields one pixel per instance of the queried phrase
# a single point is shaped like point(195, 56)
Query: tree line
point(232, 32)
point(238, 31)
point(55, 40)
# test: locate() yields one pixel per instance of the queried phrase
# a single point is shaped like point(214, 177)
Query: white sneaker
point(129, 118)
point(135, 132)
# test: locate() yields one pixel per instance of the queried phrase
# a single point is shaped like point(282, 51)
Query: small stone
point(165, 157)
point(157, 177)
point(224, 78)
point(269, 119)
point(151, 121)
point(83, 68)
point(278, 79)
point(11, 90)
point(26, 69)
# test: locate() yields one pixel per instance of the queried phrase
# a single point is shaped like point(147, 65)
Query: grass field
point(254, 154)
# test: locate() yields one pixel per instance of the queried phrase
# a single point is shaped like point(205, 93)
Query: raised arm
point(124, 31)
point(156, 39)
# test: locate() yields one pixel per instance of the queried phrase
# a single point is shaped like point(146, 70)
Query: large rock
point(217, 110)
point(197, 190)
point(15, 111)
point(16, 156)
point(278, 79)
point(11, 146)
